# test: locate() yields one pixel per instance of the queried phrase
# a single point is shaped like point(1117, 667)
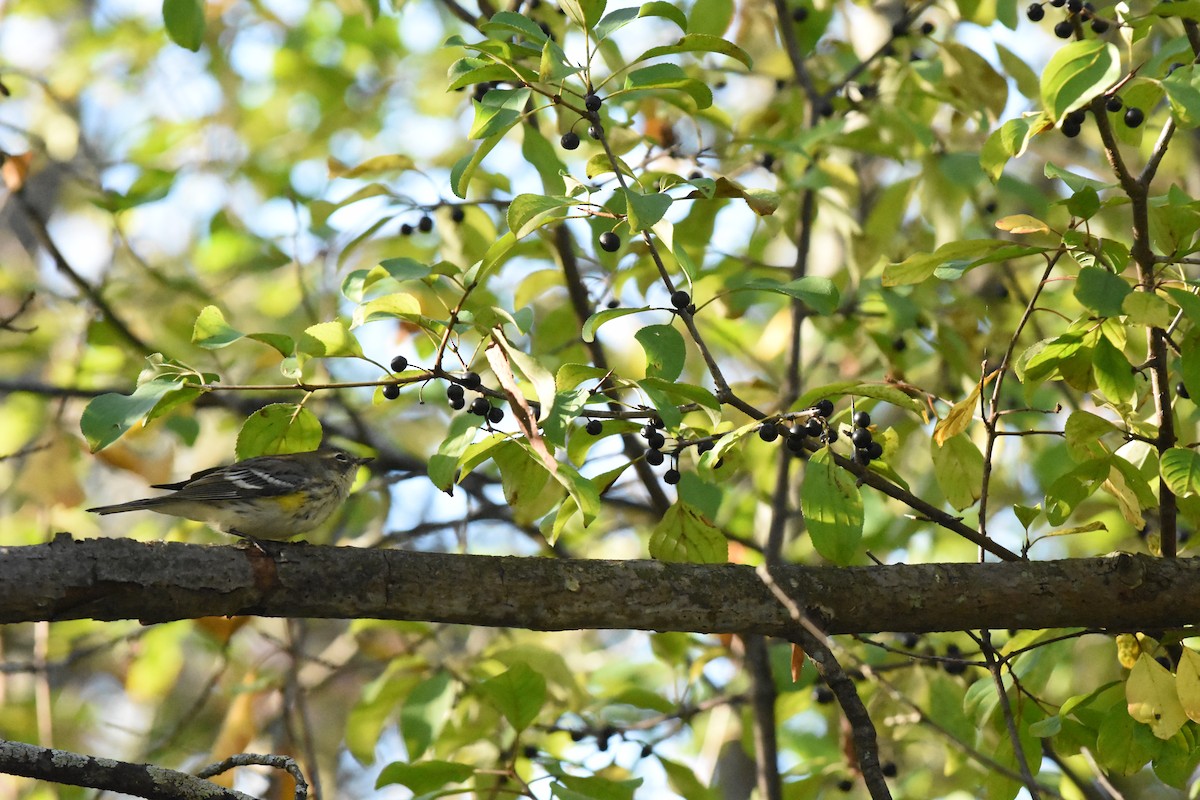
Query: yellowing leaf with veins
point(1187, 684)
point(1152, 698)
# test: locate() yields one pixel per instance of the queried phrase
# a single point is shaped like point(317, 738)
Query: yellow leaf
point(1022, 223)
point(960, 414)
point(1187, 683)
point(1153, 699)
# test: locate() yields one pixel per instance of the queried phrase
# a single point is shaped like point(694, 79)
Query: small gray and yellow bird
point(266, 497)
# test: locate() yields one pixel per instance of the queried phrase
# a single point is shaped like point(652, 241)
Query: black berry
point(768, 161)
point(610, 242)
point(596, 132)
point(845, 785)
point(1074, 6)
point(1099, 25)
point(425, 225)
point(824, 407)
point(927, 28)
point(1182, 391)
point(471, 380)
point(457, 214)
point(672, 476)
point(705, 446)
point(861, 437)
point(861, 457)
point(875, 450)
point(1035, 12)
point(1134, 116)
point(592, 102)
point(647, 751)
point(831, 436)
point(799, 14)
point(1071, 129)
point(614, 303)
point(1064, 29)
point(480, 406)
point(768, 432)
point(888, 768)
point(823, 695)
point(399, 364)
point(655, 457)
point(455, 391)
point(457, 402)
point(594, 427)
point(1114, 103)
point(655, 441)
point(391, 391)
point(681, 299)
point(862, 419)
point(814, 427)
point(495, 414)
point(406, 229)
point(795, 443)
point(569, 140)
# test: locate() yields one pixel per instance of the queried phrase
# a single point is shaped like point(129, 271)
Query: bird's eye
point(342, 457)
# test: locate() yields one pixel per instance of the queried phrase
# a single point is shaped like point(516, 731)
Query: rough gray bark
point(111, 579)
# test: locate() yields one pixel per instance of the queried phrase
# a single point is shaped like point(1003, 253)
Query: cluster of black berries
point(424, 225)
point(392, 390)
point(866, 449)
point(481, 406)
point(1076, 9)
point(592, 102)
point(655, 441)
point(816, 427)
point(1072, 123)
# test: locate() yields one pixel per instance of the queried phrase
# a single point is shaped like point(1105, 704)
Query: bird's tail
point(132, 505)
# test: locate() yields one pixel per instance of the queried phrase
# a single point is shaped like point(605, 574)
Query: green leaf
point(1101, 291)
point(684, 534)
point(184, 21)
point(498, 111)
point(953, 259)
point(593, 323)
point(699, 43)
point(502, 24)
point(1008, 142)
point(1083, 432)
point(542, 155)
point(464, 169)
point(107, 417)
point(528, 212)
point(398, 305)
point(818, 293)
point(1114, 373)
point(376, 165)
point(1189, 364)
point(1124, 746)
point(761, 201)
point(1144, 308)
point(425, 712)
point(645, 209)
point(1188, 302)
point(710, 16)
point(329, 340)
point(878, 391)
point(958, 468)
point(1076, 73)
point(518, 693)
point(424, 777)
point(665, 351)
point(1180, 468)
point(668, 11)
point(279, 428)
point(1071, 489)
point(1183, 92)
point(211, 331)
point(669, 77)
point(529, 489)
point(585, 12)
point(832, 508)
point(444, 463)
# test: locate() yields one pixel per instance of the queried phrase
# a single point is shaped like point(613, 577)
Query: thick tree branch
point(112, 579)
point(140, 780)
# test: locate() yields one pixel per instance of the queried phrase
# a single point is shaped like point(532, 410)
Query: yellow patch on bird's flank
point(291, 503)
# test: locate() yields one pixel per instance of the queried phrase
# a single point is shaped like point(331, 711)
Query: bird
point(266, 497)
